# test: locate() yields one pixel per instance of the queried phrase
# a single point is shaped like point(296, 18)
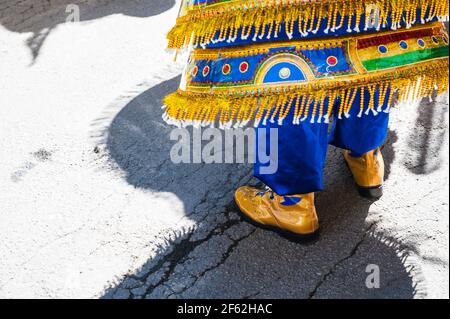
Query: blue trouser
point(302, 148)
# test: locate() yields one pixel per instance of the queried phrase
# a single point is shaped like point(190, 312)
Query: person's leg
point(361, 135)
point(288, 206)
point(300, 158)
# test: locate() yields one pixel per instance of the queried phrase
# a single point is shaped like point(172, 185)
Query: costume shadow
point(43, 16)
point(225, 257)
point(427, 138)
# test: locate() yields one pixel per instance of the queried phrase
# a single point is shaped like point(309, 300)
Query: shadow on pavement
point(225, 257)
point(428, 136)
point(41, 16)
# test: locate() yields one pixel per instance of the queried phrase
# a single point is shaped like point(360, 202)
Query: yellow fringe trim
point(311, 101)
point(303, 44)
point(201, 24)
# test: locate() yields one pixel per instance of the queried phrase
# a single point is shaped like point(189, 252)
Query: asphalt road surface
point(91, 206)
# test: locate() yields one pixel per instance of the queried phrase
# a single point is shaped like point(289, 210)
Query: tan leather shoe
point(292, 216)
point(368, 172)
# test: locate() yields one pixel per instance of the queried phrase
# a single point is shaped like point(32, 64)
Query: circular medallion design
point(226, 69)
point(243, 67)
point(421, 43)
point(332, 60)
point(403, 45)
point(284, 73)
point(445, 39)
point(206, 70)
point(194, 71)
point(382, 49)
point(435, 40)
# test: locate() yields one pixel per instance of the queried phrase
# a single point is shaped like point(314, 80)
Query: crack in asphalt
point(181, 251)
point(333, 268)
point(180, 254)
point(251, 296)
point(225, 256)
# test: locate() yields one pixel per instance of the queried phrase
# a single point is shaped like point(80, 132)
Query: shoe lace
point(267, 189)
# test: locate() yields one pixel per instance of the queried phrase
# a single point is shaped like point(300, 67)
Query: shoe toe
point(243, 197)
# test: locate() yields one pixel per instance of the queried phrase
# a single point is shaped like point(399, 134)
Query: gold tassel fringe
point(266, 18)
point(311, 102)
